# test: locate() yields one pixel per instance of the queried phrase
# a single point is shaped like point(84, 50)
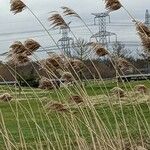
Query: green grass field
point(28, 124)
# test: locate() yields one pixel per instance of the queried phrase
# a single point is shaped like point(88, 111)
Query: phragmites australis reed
point(57, 21)
point(17, 53)
point(17, 48)
point(31, 46)
point(141, 88)
point(118, 92)
point(113, 5)
point(52, 63)
point(6, 97)
point(67, 77)
point(98, 48)
point(48, 84)
point(144, 33)
point(69, 12)
point(55, 106)
point(123, 64)
point(20, 59)
point(17, 6)
point(76, 98)
point(75, 64)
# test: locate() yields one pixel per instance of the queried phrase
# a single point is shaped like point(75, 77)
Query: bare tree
point(80, 49)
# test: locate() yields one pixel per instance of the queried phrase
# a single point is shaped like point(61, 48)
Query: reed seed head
point(31, 45)
point(69, 12)
point(123, 64)
point(17, 48)
point(113, 5)
point(99, 49)
point(67, 76)
point(144, 34)
point(141, 88)
point(76, 98)
point(57, 21)
point(6, 97)
point(17, 6)
point(118, 92)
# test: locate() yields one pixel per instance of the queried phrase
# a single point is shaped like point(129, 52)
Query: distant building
point(147, 18)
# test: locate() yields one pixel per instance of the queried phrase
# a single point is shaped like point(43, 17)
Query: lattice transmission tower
point(147, 18)
point(65, 41)
point(103, 36)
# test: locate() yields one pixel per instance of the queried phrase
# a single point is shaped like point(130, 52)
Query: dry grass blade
point(69, 12)
point(98, 48)
point(57, 21)
point(31, 45)
point(113, 5)
point(17, 6)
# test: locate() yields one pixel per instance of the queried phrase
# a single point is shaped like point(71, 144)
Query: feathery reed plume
point(31, 45)
point(113, 5)
point(118, 92)
point(17, 6)
point(76, 98)
point(67, 77)
point(48, 84)
point(69, 12)
point(6, 97)
point(141, 148)
point(75, 63)
point(17, 48)
point(144, 33)
point(55, 106)
point(57, 21)
point(20, 59)
point(98, 48)
point(52, 63)
point(141, 89)
point(123, 64)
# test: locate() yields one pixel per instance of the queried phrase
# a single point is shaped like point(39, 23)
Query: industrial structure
point(65, 41)
point(102, 36)
point(147, 18)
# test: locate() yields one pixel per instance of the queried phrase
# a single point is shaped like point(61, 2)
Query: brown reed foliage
point(48, 84)
point(17, 6)
point(6, 97)
point(75, 64)
point(141, 89)
point(113, 5)
point(20, 59)
point(17, 48)
point(123, 64)
point(52, 63)
point(98, 48)
point(69, 12)
point(31, 46)
point(76, 98)
point(57, 21)
point(118, 92)
point(55, 106)
point(144, 34)
point(67, 76)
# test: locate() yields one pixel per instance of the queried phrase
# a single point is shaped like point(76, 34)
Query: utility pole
point(103, 36)
point(65, 41)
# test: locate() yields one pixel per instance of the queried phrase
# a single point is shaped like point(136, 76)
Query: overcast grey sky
point(25, 22)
